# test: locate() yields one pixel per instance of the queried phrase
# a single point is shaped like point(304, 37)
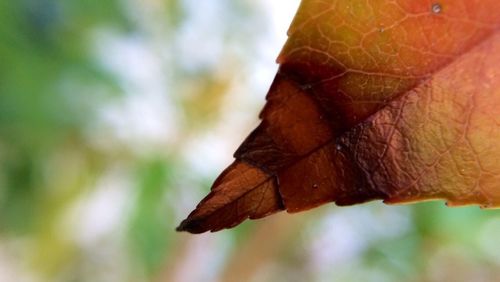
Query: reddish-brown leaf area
point(374, 99)
point(240, 192)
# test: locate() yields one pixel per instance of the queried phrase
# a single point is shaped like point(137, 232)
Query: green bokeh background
point(115, 116)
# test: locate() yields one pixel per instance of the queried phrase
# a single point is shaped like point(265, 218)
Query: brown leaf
point(240, 192)
point(393, 100)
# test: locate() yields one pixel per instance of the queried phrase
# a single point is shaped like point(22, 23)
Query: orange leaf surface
point(374, 99)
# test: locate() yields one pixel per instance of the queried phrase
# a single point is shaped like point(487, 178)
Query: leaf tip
point(191, 226)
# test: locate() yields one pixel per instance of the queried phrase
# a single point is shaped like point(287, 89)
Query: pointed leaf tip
point(190, 226)
point(242, 191)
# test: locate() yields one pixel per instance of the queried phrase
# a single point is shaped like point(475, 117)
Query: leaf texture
point(375, 99)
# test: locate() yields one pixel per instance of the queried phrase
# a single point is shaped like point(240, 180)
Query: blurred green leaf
point(151, 219)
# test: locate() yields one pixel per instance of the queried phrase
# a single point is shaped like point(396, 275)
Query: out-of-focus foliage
point(115, 117)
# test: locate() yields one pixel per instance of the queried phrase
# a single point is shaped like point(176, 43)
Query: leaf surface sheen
point(374, 99)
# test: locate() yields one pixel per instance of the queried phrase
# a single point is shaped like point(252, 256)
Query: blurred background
point(117, 115)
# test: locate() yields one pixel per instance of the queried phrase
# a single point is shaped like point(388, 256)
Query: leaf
point(392, 100)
